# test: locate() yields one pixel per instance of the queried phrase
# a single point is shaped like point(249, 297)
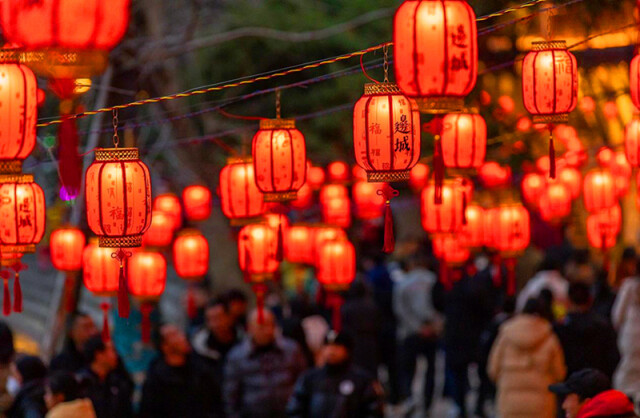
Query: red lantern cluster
point(493, 174)
point(170, 205)
point(555, 202)
point(241, 200)
point(450, 249)
point(100, 270)
point(447, 216)
point(508, 229)
point(336, 205)
point(368, 200)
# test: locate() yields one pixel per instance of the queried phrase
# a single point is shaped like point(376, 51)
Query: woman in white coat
point(626, 319)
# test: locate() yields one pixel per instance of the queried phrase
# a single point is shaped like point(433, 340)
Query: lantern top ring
point(277, 123)
point(381, 88)
point(16, 178)
point(547, 45)
point(239, 160)
point(117, 154)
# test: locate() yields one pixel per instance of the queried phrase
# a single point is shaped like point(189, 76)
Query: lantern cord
point(123, 288)
point(278, 104)
point(364, 71)
point(552, 154)
point(509, 10)
point(464, 204)
point(6, 300)
point(389, 238)
point(106, 335)
point(510, 263)
point(69, 299)
point(145, 326)
point(116, 139)
point(242, 117)
point(385, 50)
point(17, 288)
point(192, 310)
point(438, 170)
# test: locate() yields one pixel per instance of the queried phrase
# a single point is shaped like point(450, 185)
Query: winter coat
point(412, 302)
point(361, 320)
point(29, 402)
point(111, 397)
point(611, 403)
point(336, 392)
point(626, 319)
point(546, 279)
point(525, 359)
point(187, 391)
point(588, 341)
point(70, 359)
point(80, 408)
point(259, 380)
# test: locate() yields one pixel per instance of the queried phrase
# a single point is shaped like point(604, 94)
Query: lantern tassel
point(389, 237)
point(70, 162)
point(511, 276)
point(6, 301)
point(438, 172)
point(69, 298)
point(497, 272)
point(552, 154)
point(280, 243)
point(123, 295)
point(106, 335)
point(336, 316)
point(17, 294)
point(145, 325)
point(192, 310)
point(260, 303)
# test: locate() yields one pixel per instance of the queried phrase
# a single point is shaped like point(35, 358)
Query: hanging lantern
point(386, 133)
point(315, 176)
point(240, 198)
point(304, 200)
point(572, 179)
point(603, 228)
point(632, 141)
point(446, 217)
point(337, 211)
point(332, 191)
point(419, 177)
point(599, 190)
point(148, 277)
point(257, 245)
point(533, 186)
point(279, 159)
point(280, 224)
point(472, 232)
point(555, 202)
point(368, 203)
point(160, 232)
point(170, 204)
point(22, 213)
point(197, 203)
point(634, 79)
point(338, 172)
point(450, 249)
point(493, 174)
point(336, 266)
point(464, 140)
point(191, 254)
point(299, 244)
point(67, 245)
point(436, 52)
point(323, 234)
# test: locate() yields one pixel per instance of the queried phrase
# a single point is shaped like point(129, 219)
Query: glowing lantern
point(279, 159)
point(332, 191)
point(473, 231)
point(493, 174)
point(603, 227)
point(621, 170)
point(315, 177)
point(386, 133)
point(67, 246)
point(533, 185)
point(555, 202)
point(369, 204)
point(446, 217)
point(148, 277)
point(100, 274)
point(191, 255)
point(197, 203)
point(336, 267)
point(304, 200)
point(450, 249)
point(464, 140)
point(338, 172)
point(358, 173)
point(280, 224)
point(322, 234)
point(599, 190)
point(337, 211)
point(160, 232)
point(419, 177)
point(240, 198)
point(634, 81)
point(436, 52)
point(632, 142)
point(299, 244)
point(572, 179)
point(257, 245)
point(22, 213)
point(169, 204)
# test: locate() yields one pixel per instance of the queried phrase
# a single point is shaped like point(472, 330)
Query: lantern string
point(116, 139)
point(278, 105)
point(385, 50)
point(364, 71)
point(242, 117)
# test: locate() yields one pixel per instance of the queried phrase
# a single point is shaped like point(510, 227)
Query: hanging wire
point(278, 104)
point(385, 50)
point(116, 139)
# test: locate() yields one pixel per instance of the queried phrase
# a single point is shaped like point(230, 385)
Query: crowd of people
point(565, 346)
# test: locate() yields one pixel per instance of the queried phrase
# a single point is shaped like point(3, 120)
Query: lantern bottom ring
point(280, 196)
point(387, 176)
point(10, 167)
point(18, 248)
point(440, 105)
point(336, 288)
point(259, 278)
point(245, 221)
point(559, 118)
point(127, 241)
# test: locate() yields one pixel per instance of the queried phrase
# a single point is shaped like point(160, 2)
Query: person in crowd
point(62, 396)
point(588, 340)
point(291, 326)
point(525, 359)
point(549, 277)
point(626, 320)
point(7, 353)
point(419, 326)
point(217, 337)
point(29, 372)
point(627, 266)
point(198, 297)
point(71, 358)
point(238, 306)
point(101, 382)
point(361, 319)
point(580, 387)
point(337, 389)
point(261, 371)
point(177, 384)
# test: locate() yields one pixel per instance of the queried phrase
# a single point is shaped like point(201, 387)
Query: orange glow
point(599, 190)
point(170, 204)
point(338, 172)
point(493, 174)
point(160, 233)
point(533, 185)
point(315, 176)
point(100, 271)
point(445, 217)
point(603, 227)
point(240, 198)
point(419, 177)
point(336, 266)
point(257, 246)
point(450, 249)
point(555, 202)
point(197, 203)
point(67, 245)
point(147, 273)
point(464, 140)
point(508, 229)
point(191, 255)
point(367, 202)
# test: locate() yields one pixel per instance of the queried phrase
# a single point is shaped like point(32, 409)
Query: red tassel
point(145, 326)
point(106, 335)
point(511, 276)
point(192, 311)
point(17, 294)
point(260, 303)
point(552, 155)
point(389, 237)
point(280, 243)
point(438, 171)
point(69, 298)
point(70, 162)
point(6, 301)
point(336, 316)
point(123, 294)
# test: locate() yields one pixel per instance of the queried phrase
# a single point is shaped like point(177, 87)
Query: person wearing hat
point(337, 389)
point(587, 393)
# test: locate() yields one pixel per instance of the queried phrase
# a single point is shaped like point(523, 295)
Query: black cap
point(585, 383)
point(339, 338)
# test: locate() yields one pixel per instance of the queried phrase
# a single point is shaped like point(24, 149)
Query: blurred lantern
point(451, 251)
point(160, 232)
point(298, 244)
point(147, 280)
point(555, 202)
point(170, 204)
point(279, 159)
point(572, 179)
point(464, 140)
point(279, 223)
point(599, 190)
point(621, 171)
point(550, 86)
point(336, 269)
point(533, 185)
point(543, 164)
point(118, 201)
point(66, 245)
point(507, 104)
point(240, 198)
point(338, 172)
point(323, 234)
point(634, 81)
point(610, 110)
point(337, 211)
point(191, 255)
point(473, 231)
point(493, 174)
point(603, 228)
point(315, 176)
point(524, 124)
point(436, 52)
point(358, 173)
point(632, 141)
point(446, 217)
point(587, 105)
point(368, 203)
point(419, 177)
point(304, 200)
point(605, 157)
point(386, 133)
point(197, 203)
point(332, 191)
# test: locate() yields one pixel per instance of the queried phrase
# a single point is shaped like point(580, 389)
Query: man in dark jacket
point(261, 371)
point(588, 340)
point(338, 389)
point(29, 402)
point(178, 384)
point(71, 358)
point(109, 391)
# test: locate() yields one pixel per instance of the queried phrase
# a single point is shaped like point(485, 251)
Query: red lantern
point(419, 177)
point(241, 200)
point(315, 176)
point(632, 141)
point(386, 133)
point(634, 79)
point(197, 203)
point(533, 186)
point(550, 82)
point(358, 173)
point(332, 191)
point(323, 234)
point(100, 270)
point(191, 255)
point(599, 190)
point(67, 246)
point(279, 159)
point(338, 172)
point(603, 227)
point(22, 213)
point(446, 217)
point(304, 200)
point(450, 249)
point(555, 202)
point(436, 52)
point(337, 211)
point(369, 203)
point(170, 204)
point(510, 231)
point(148, 277)
point(160, 233)
point(464, 140)
point(299, 244)
point(572, 179)
point(472, 232)
point(336, 266)
point(493, 174)
point(257, 246)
